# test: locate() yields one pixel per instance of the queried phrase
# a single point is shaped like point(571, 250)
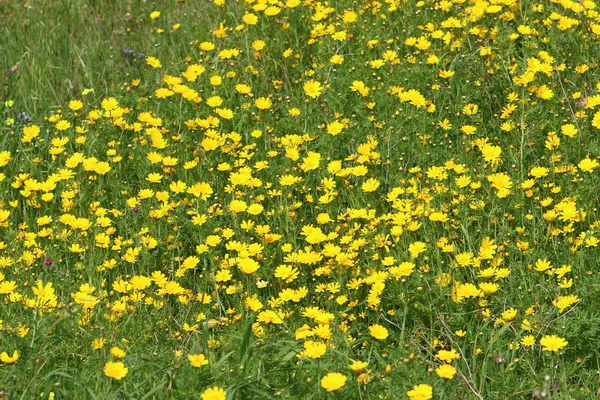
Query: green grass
point(484, 170)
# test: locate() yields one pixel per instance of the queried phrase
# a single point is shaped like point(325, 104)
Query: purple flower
point(47, 259)
point(23, 117)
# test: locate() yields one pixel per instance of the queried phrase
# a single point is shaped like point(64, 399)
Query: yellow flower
point(553, 343)
point(489, 287)
point(248, 266)
point(379, 332)
point(154, 14)
point(163, 93)
point(509, 314)
point(445, 371)
point(416, 248)
point(502, 183)
point(263, 103)
point(334, 128)
point(116, 370)
point(101, 168)
point(207, 46)
point(404, 269)
point(243, 88)
point(98, 343)
point(314, 349)
point(528, 340)
point(468, 129)
point(446, 74)
point(563, 302)
point(588, 165)
point(153, 62)
point(544, 93)
point(250, 19)
point(272, 11)
point(75, 105)
point(311, 161)
point(420, 392)
point(23, 330)
point(214, 393)
point(110, 104)
point(252, 303)
point(154, 177)
point(333, 381)
point(30, 132)
point(6, 359)
point(569, 130)
point(5, 158)
point(470, 109)
point(359, 86)
point(370, 185)
point(255, 209)
point(269, 316)
point(237, 206)
point(596, 119)
point(313, 88)
point(62, 125)
point(539, 172)
point(542, 265)
point(491, 154)
point(358, 366)
point(350, 16)
point(7, 287)
point(336, 59)
point(447, 355)
point(197, 360)
point(117, 352)
point(258, 45)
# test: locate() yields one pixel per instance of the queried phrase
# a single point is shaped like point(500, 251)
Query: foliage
point(299, 199)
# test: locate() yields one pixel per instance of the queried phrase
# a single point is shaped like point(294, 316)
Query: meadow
point(299, 199)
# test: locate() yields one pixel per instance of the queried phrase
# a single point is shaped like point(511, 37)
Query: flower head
point(333, 381)
point(116, 370)
point(446, 371)
point(379, 332)
point(553, 343)
point(214, 393)
point(6, 359)
point(197, 360)
point(420, 392)
point(313, 88)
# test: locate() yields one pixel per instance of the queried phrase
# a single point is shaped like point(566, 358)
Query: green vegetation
point(299, 199)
